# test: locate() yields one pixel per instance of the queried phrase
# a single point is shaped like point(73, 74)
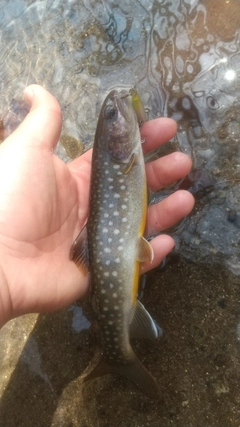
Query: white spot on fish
point(116, 307)
point(111, 285)
point(105, 230)
point(106, 273)
point(115, 213)
point(110, 322)
point(116, 231)
point(124, 219)
point(117, 260)
point(124, 207)
point(110, 179)
point(106, 172)
point(105, 308)
point(110, 223)
point(116, 166)
point(116, 195)
point(120, 248)
point(114, 273)
point(107, 250)
point(109, 239)
point(123, 187)
point(103, 291)
point(106, 215)
point(114, 294)
point(111, 205)
point(107, 262)
point(106, 301)
point(121, 240)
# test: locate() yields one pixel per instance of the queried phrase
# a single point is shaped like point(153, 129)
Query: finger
point(80, 170)
point(161, 245)
point(156, 132)
point(42, 126)
point(81, 165)
point(169, 211)
point(167, 169)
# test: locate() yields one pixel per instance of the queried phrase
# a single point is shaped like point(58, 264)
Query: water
point(183, 57)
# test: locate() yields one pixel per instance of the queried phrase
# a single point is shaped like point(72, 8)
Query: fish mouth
point(122, 102)
point(124, 95)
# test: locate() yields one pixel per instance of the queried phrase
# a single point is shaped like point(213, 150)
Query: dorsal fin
point(79, 251)
point(142, 325)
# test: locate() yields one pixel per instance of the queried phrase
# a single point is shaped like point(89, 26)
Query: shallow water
point(183, 57)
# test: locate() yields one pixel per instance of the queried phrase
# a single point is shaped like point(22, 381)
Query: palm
point(44, 204)
point(40, 219)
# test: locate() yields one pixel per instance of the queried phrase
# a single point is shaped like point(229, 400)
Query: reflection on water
point(183, 57)
point(79, 320)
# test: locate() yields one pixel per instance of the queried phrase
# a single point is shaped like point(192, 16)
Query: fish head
point(117, 129)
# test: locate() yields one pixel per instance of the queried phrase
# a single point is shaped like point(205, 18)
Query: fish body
point(116, 246)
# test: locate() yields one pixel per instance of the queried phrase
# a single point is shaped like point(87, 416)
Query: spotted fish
point(116, 246)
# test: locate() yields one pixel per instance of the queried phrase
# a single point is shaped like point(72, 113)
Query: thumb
point(42, 125)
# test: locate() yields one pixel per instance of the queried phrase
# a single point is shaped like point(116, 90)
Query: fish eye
point(110, 112)
point(212, 103)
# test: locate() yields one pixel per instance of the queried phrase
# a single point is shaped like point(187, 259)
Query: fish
point(112, 245)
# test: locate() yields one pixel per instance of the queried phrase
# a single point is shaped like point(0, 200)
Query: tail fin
point(133, 370)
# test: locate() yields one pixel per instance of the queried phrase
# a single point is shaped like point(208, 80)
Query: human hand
point(44, 204)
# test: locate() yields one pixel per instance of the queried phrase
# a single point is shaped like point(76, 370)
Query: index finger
point(156, 132)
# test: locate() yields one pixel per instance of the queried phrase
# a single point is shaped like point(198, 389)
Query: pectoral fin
point(142, 325)
point(79, 251)
point(144, 251)
point(130, 164)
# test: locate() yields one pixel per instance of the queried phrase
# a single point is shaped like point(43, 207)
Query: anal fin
point(142, 324)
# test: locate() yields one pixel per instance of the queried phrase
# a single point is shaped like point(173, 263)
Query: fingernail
point(28, 94)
